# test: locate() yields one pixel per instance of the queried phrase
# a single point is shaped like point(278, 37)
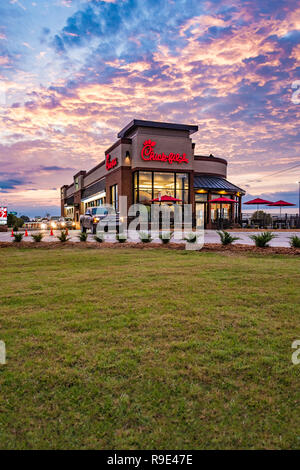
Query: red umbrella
point(258, 201)
point(281, 204)
point(165, 199)
point(223, 200)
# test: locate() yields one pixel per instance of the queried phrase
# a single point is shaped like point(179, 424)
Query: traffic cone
point(12, 233)
point(51, 233)
point(26, 233)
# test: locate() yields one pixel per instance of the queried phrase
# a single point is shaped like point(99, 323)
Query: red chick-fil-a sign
point(3, 215)
point(111, 163)
point(148, 154)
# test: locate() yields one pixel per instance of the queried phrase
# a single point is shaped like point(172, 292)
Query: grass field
point(152, 349)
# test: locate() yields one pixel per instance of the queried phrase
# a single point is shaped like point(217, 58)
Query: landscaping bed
point(215, 247)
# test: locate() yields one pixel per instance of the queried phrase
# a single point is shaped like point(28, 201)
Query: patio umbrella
point(258, 202)
point(165, 199)
point(281, 204)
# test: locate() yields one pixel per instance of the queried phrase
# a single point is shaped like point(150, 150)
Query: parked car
point(67, 222)
point(44, 224)
point(103, 215)
point(54, 222)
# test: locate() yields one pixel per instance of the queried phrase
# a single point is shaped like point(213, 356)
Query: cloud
point(56, 168)
point(10, 184)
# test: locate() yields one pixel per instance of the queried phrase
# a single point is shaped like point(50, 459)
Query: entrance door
point(200, 214)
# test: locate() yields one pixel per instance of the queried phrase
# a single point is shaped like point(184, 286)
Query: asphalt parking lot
point(210, 236)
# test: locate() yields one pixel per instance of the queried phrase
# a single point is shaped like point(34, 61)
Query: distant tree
point(14, 221)
point(25, 218)
point(263, 216)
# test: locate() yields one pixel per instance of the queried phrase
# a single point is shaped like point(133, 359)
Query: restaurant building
point(150, 160)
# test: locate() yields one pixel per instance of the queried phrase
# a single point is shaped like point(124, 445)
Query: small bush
point(226, 238)
point(37, 237)
point(166, 237)
point(99, 238)
point(295, 241)
point(63, 237)
point(121, 238)
point(191, 238)
point(83, 236)
point(145, 237)
point(263, 239)
point(15, 228)
point(18, 237)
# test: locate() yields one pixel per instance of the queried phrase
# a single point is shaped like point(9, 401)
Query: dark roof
point(94, 189)
point(161, 125)
point(214, 182)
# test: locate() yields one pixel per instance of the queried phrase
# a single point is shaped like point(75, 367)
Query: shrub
point(145, 237)
point(263, 239)
point(37, 237)
point(18, 237)
point(98, 238)
point(191, 238)
point(166, 237)
point(63, 237)
point(295, 241)
point(262, 216)
point(121, 238)
point(83, 236)
point(226, 238)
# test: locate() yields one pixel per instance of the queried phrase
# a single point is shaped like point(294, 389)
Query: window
point(182, 187)
point(164, 184)
point(200, 197)
point(145, 187)
point(114, 196)
point(76, 184)
point(150, 185)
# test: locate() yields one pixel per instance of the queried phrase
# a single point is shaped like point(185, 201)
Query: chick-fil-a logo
point(148, 154)
point(111, 163)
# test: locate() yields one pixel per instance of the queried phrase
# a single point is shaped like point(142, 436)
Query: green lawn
point(148, 349)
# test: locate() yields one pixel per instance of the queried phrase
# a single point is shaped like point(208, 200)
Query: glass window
point(182, 187)
point(114, 197)
point(145, 179)
point(149, 185)
point(182, 181)
point(164, 180)
point(164, 184)
point(200, 197)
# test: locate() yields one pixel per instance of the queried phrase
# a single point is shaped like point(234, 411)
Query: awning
point(215, 183)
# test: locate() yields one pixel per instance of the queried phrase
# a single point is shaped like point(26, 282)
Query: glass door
point(200, 214)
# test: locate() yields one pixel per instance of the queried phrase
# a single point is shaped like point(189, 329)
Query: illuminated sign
point(3, 215)
point(148, 154)
point(111, 163)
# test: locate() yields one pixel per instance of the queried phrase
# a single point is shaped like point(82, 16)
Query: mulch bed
point(209, 247)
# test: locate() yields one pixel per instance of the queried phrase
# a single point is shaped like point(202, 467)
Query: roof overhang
point(215, 183)
point(156, 125)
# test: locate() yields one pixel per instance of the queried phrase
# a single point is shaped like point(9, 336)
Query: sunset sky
point(74, 72)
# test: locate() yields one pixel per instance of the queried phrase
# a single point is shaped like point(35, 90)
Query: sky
point(74, 72)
